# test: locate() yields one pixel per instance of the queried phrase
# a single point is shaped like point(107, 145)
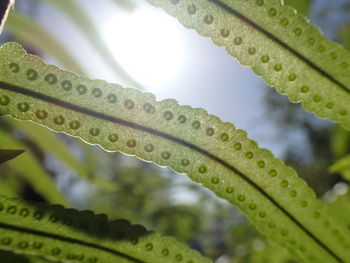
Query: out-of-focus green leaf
point(27, 31)
point(344, 33)
point(340, 142)
point(128, 5)
point(341, 207)
point(50, 143)
point(264, 252)
point(78, 16)
point(302, 6)
point(28, 166)
point(342, 166)
point(5, 6)
point(6, 155)
point(9, 183)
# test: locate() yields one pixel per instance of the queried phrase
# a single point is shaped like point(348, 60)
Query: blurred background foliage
point(59, 169)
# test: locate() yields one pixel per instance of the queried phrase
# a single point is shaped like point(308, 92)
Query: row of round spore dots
point(166, 155)
point(272, 12)
point(102, 228)
point(15, 241)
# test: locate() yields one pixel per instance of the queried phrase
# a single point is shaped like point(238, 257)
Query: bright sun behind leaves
point(148, 44)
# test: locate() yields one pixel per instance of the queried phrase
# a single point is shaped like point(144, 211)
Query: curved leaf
point(27, 31)
point(6, 155)
point(279, 45)
point(60, 234)
point(79, 17)
point(209, 151)
point(31, 170)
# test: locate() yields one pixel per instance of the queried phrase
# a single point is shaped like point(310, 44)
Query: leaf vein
point(169, 137)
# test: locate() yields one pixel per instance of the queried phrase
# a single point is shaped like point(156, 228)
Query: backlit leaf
point(211, 152)
point(68, 235)
point(279, 45)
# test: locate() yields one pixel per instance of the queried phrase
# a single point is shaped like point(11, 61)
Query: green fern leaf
point(211, 152)
point(279, 45)
point(66, 235)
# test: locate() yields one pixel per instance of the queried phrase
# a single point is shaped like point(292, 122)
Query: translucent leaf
point(6, 155)
point(211, 152)
point(67, 235)
point(279, 45)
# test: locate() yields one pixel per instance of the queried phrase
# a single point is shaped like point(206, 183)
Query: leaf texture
point(190, 141)
point(279, 45)
point(68, 235)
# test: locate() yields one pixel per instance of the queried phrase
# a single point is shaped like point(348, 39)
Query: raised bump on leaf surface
point(179, 138)
point(292, 53)
point(61, 234)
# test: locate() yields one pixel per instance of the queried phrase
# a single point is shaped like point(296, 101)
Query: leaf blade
point(279, 45)
point(211, 152)
point(67, 234)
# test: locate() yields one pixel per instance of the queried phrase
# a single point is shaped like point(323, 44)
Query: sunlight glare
point(148, 44)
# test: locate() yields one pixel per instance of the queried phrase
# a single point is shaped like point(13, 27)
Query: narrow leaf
point(25, 30)
point(61, 234)
point(5, 6)
point(279, 45)
point(209, 151)
point(87, 27)
point(6, 155)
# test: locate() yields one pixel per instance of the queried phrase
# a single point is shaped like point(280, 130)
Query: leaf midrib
point(69, 240)
point(284, 45)
point(99, 115)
